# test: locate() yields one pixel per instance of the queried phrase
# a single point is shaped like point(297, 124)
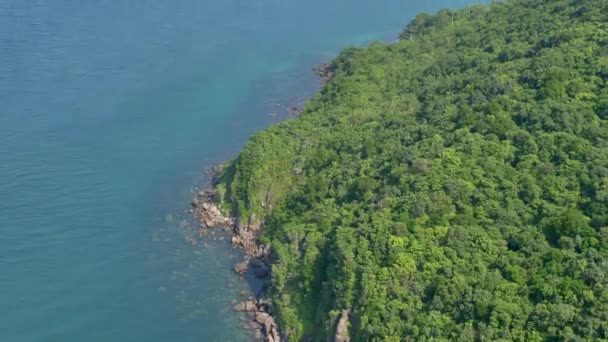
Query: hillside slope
point(450, 186)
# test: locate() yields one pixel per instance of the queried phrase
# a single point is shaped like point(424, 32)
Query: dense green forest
point(452, 185)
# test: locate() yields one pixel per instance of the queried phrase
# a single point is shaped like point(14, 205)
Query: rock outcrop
point(261, 318)
point(246, 236)
point(342, 328)
point(208, 212)
point(325, 71)
point(248, 306)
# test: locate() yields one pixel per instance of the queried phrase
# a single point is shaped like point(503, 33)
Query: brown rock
point(250, 306)
point(235, 240)
point(262, 317)
point(268, 325)
point(274, 335)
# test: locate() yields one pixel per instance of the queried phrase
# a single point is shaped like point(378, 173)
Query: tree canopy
point(450, 186)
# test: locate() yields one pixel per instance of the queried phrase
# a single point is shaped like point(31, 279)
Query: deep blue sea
point(109, 113)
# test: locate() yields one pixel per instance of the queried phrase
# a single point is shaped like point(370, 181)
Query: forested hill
point(449, 186)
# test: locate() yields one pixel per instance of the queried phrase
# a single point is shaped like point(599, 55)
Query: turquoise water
point(109, 112)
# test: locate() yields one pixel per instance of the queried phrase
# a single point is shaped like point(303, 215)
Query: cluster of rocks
point(325, 71)
point(259, 312)
point(208, 212)
point(259, 267)
point(245, 236)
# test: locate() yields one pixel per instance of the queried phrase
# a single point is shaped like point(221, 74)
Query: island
point(452, 185)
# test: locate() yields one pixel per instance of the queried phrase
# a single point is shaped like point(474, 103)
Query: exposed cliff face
point(246, 236)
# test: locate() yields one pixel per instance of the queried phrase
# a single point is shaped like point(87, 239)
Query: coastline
point(246, 236)
point(399, 205)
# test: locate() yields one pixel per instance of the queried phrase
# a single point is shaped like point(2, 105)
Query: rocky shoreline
point(325, 71)
point(245, 235)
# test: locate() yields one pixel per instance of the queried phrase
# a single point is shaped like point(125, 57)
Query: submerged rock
point(261, 272)
point(241, 267)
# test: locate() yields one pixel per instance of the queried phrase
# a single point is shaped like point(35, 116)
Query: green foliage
point(450, 186)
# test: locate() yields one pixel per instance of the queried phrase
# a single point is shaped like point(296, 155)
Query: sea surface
point(109, 113)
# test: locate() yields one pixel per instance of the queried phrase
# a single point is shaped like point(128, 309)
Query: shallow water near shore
point(109, 112)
